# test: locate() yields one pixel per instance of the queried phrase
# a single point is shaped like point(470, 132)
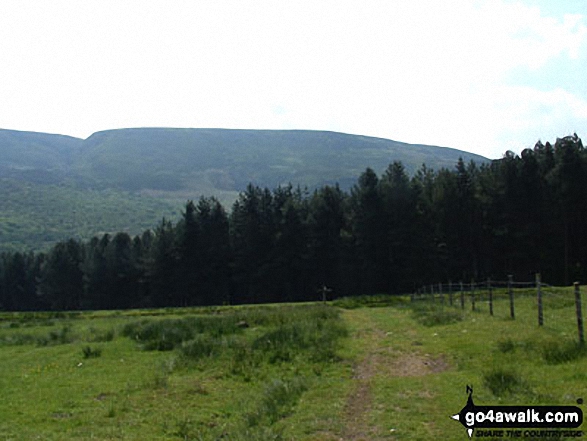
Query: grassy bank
point(373, 368)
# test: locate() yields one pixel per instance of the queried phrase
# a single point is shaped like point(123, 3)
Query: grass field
point(377, 368)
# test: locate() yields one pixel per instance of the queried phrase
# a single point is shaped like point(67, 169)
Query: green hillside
point(55, 186)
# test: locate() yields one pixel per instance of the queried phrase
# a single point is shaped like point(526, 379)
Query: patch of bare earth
point(386, 363)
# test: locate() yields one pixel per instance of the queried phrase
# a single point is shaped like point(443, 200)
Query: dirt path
point(379, 360)
point(360, 401)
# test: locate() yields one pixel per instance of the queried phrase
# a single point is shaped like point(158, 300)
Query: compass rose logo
point(468, 409)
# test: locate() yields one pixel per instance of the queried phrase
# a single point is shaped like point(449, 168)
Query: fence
point(491, 292)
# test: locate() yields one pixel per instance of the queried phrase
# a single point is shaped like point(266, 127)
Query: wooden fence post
point(539, 299)
point(441, 294)
point(462, 296)
point(579, 313)
point(490, 296)
point(473, 294)
point(432, 292)
point(450, 293)
point(511, 294)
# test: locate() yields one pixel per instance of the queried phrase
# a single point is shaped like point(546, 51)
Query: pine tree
point(61, 280)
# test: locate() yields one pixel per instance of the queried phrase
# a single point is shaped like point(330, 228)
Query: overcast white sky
point(482, 76)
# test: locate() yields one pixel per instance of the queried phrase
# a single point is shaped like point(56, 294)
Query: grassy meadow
point(371, 368)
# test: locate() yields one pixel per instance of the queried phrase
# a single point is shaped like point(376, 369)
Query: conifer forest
point(517, 215)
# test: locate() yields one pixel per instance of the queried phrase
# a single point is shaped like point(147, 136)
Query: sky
point(481, 76)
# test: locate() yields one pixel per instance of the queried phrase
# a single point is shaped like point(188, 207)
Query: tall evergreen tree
point(400, 217)
point(327, 221)
point(162, 269)
point(95, 274)
point(189, 257)
point(61, 280)
point(252, 234)
point(369, 231)
point(214, 252)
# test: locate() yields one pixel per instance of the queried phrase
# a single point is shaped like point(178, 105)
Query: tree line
point(517, 215)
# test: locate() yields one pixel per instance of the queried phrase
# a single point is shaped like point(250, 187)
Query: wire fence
point(550, 304)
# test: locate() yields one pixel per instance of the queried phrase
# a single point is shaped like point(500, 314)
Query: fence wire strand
point(549, 306)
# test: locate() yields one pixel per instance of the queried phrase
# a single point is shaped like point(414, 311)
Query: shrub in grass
point(506, 345)
point(89, 352)
point(435, 315)
point(271, 316)
point(201, 346)
point(186, 429)
point(563, 352)
point(370, 301)
point(160, 380)
point(278, 399)
point(317, 339)
point(104, 336)
point(62, 336)
point(18, 339)
point(165, 335)
point(502, 381)
point(243, 360)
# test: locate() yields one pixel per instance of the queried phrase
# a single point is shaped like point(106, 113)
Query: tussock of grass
point(60, 337)
point(89, 352)
point(201, 346)
point(308, 331)
point(506, 345)
point(165, 335)
point(102, 336)
point(502, 382)
point(557, 352)
point(317, 338)
point(371, 301)
point(552, 351)
point(18, 339)
point(278, 398)
point(431, 314)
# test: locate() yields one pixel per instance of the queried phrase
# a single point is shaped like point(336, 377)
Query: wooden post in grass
point(450, 293)
point(473, 294)
point(462, 296)
point(324, 291)
point(579, 313)
point(490, 287)
point(539, 299)
point(511, 294)
point(441, 294)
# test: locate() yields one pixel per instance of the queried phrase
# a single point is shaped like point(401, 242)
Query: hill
point(56, 186)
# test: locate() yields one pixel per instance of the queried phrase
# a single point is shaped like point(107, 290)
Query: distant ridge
point(127, 179)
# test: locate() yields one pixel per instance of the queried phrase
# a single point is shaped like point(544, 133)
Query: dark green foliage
point(89, 352)
point(390, 234)
point(61, 279)
point(506, 345)
point(83, 187)
point(502, 382)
